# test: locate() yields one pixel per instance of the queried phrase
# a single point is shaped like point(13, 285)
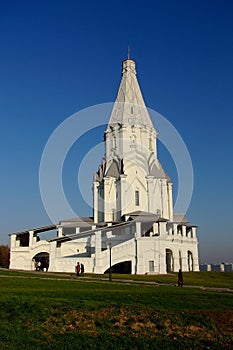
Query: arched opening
point(41, 261)
point(122, 267)
point(190, 261)
point(169, 260)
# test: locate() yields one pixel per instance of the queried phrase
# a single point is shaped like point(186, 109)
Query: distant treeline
point(4, 256)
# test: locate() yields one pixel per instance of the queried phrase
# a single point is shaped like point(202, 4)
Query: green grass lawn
point(207, 279)
point(39, 311)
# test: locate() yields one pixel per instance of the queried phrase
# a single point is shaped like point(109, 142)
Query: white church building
point(133, 228)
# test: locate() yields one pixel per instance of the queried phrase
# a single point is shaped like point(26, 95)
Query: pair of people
point(37, 265)
point(80, 269)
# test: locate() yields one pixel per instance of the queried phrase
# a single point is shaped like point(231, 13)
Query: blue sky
point(58, 57)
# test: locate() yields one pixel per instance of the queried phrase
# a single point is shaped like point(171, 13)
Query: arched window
point(137, 198)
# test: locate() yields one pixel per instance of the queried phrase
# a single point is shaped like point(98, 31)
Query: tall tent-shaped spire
point(130, 177)
point(129, 107)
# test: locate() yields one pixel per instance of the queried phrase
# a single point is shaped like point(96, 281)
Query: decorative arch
point(169, 260)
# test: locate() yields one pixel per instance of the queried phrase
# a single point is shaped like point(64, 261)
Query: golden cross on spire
point(128, 52)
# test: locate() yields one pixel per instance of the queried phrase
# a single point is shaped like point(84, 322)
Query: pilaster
point(95, 200)
point(150, 194)
point(163, 268)
point(52, 256)
point(97, 262)
point(110, 193)
point(165, 199)
point(170, 201)
point(123, 199)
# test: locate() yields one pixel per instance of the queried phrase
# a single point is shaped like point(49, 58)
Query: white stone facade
point(133, 226)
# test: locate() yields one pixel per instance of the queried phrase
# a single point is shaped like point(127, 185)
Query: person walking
point(78, 269)
point(180, 278)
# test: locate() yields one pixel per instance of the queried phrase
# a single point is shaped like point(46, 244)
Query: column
point(183, 231)
point(13, 241)
point(162, 228)
point(60, 231)
point(194, 232)
point(175, 230)
point(170, 201)
point(155, 228)
point(31, 232)
point(138, 230)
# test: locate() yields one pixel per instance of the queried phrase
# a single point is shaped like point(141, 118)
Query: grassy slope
point(70, 314)
point(207, 279)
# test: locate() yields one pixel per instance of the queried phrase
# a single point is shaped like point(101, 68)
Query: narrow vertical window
point(114, 142)
point(151, 266)
point(136, 197)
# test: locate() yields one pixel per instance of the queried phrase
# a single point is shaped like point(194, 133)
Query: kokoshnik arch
point(133, 222)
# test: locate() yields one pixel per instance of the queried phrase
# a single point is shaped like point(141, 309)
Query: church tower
point(134, 229)
point(130, 178)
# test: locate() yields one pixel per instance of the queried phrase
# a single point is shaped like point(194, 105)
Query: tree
point(4, 256)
